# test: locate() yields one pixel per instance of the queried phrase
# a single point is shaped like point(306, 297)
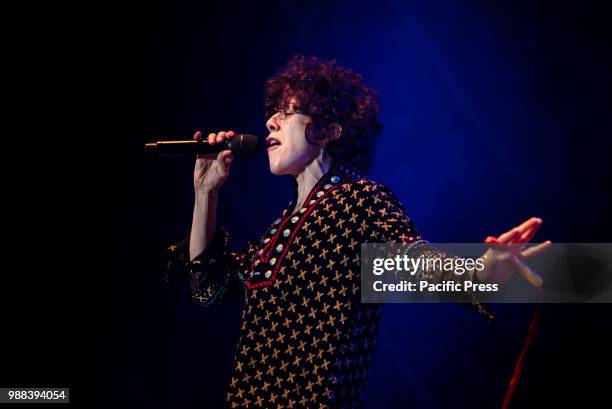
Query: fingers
point(509, 236)
point(220, 137)
point(523, 233)
point(224, 135)
point(540, 248)
point(212, 139)
point(529, 223)
point(225, 157)
point(529, 229)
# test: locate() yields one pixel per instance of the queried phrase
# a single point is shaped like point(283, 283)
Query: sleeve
point(390, 224)
point(216, 275)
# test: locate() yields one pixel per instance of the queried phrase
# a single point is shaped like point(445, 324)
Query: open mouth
point(272, 143)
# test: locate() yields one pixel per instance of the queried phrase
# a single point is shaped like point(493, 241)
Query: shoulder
point(368, 194)
point(368, 188)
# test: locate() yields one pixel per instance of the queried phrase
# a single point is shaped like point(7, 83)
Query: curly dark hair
point(329, 93)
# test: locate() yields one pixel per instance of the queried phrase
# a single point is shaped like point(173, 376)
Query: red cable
point(518, 368)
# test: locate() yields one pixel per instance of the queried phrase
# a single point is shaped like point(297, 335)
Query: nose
point(272, 123)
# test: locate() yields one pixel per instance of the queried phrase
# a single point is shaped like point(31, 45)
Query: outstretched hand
point(508, 254)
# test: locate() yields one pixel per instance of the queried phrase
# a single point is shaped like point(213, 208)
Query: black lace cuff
point(211, 272)
point(176, 258)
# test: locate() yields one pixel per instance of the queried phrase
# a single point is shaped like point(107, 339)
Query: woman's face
point(288, 151)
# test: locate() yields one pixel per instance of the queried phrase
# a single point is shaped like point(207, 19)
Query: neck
point(309, 177)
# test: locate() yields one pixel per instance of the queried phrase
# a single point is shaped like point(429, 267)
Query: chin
point(275, 172)
point(285, 164)
point(278, 169)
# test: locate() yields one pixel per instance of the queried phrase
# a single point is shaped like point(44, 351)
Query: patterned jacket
point(306, 340)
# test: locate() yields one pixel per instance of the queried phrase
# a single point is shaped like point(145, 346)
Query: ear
point(335, 131)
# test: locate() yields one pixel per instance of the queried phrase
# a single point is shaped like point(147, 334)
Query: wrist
point(482, 275)
point(206, 192)
point(205, 198)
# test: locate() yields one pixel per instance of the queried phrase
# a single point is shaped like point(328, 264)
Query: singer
point(306, 340)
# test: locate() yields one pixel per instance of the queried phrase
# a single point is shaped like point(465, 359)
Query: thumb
point(225, 159)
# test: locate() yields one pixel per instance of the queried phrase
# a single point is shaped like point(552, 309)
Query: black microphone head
point(244, 144)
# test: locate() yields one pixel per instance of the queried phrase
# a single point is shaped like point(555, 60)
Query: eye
point(284, 114)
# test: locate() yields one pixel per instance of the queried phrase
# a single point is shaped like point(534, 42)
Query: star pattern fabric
point(306, 340)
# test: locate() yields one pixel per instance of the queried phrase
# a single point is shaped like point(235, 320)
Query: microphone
point(240, 145)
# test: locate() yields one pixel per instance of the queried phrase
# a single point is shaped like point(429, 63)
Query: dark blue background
point(493, 113)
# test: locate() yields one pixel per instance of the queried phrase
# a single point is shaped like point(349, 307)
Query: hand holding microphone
point(212, 169)
point(214, 155)
point(240, 145)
